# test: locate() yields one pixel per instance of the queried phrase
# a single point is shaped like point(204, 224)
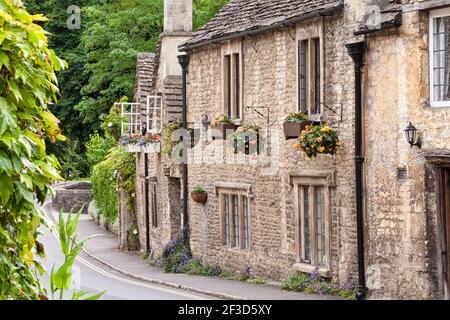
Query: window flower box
point(222, 127)
point(150, 143)
point(294, 124)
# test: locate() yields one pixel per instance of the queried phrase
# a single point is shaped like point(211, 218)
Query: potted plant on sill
point(246, 139)
point(318, 139)
point(294, 124)
point(223, 125)
point(199, 195)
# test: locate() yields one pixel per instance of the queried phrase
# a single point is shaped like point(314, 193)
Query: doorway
point(445, 205)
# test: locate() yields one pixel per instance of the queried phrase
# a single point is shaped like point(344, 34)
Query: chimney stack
point(177, 16)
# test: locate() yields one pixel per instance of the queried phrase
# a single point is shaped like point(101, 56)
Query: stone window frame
point(310, 31)
point(312, 179)
point(241, 191)
point(434, 14)
point(232, 49)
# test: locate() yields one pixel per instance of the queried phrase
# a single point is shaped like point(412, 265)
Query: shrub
point(195, 267)
point(244, 275)
point(177, 254)
point(227, 275)
point(97, 148)
point(118, 163)
point(314, 284)
point(257, 280)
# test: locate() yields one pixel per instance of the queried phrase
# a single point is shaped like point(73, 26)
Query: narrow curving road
point(91, 276)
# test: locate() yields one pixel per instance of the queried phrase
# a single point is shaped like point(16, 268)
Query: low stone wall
point(73, 196)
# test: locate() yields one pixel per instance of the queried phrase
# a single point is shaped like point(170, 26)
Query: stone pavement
point(103, 248)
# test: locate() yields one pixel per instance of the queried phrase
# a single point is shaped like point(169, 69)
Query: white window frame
point(445, 12)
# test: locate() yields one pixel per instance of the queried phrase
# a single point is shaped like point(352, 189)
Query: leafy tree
point(115, 33)
point(205, 10)
point(27, 87)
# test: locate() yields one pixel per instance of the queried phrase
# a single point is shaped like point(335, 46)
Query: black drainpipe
point(147, 204)
point(356, 51)
point(183, 60)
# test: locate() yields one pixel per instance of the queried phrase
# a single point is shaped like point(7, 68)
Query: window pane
point(246, 223)
point(306, 226)
point(235, 203)
point(226, 210)
point(237, 86)
point(303, 75)
point(317, 99)
point(319, 208)
point(227, 61)
point(441, 59)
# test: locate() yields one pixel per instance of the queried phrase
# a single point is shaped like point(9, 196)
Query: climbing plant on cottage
point(27, 86)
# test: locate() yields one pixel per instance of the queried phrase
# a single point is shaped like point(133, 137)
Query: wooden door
point(445, 204)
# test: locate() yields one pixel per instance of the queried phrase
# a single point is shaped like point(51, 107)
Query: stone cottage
point(378, 211)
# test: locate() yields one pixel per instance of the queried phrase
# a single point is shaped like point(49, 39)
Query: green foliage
point(198, 189)
point(118, 164)
point(169, 141)
point(205, 10)
point(227, 275)
point(222, 119)
point(314, 284)
point(97, 148)
point(295, 282)
point(176, 255)
point(114, 33)
point(71, 158)
point(246, 139)
point(196, 268)
point(257, 280)
point(27, 87)
point(61, 280)
point(320, 139)
point(297, 117)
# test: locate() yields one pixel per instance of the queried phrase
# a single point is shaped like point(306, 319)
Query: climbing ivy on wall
point(27, 86)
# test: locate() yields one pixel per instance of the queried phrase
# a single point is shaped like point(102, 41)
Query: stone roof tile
point(239, 16)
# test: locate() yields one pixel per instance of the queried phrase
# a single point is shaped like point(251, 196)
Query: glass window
point(440, 59)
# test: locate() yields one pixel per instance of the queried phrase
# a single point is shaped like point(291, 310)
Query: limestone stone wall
point(269, 63)
point(402, 214)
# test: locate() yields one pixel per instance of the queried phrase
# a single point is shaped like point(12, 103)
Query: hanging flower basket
point(246, 139)
point(223, 127)
point(318, 139)
point(294, 124)
point(199, 195)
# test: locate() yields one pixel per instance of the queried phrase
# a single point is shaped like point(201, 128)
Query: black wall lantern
point(411, 136)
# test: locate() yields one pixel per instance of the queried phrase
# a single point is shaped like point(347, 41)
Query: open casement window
point(234, 219)
point(309, 76)
point(232, 82)
point(312, 198)
point(440, 58)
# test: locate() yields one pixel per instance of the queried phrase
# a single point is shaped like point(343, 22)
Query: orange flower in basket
point(321, 149)
point(320, 139)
